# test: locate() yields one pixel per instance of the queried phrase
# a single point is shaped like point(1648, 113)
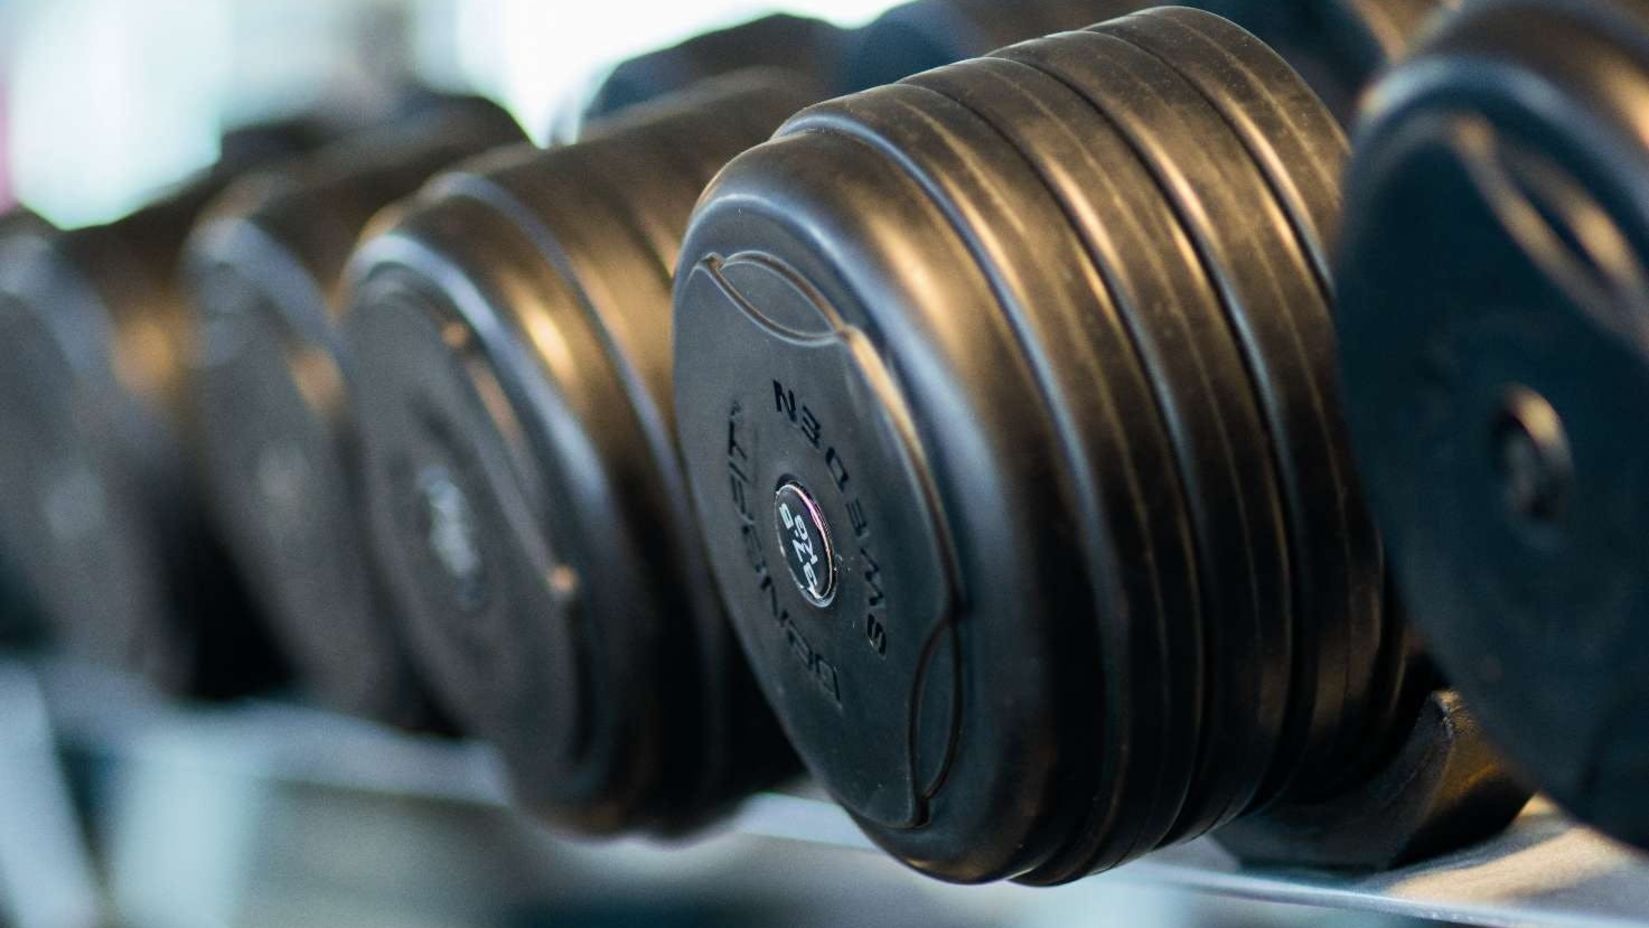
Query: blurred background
point(104, 101)
point(272, 815)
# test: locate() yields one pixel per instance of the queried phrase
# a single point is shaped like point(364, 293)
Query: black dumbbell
point(265, 271)
point(811, 50)
point(275, 140)
point(98, 507)
point(1492, 281)
point(926, 34)
point(511, 332)
point(1008, 400)
point(1337, 45)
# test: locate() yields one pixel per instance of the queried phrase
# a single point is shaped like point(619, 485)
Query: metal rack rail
point(1543, 871)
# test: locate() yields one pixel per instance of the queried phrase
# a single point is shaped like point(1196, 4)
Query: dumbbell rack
point(1543, 871)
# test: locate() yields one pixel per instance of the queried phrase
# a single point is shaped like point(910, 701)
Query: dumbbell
point(511, 336)
point(98, 507)
point(811, 50)
point(1336, 44)
point(1009, 408)
point(249, 146)
point(1492, 278)
point(265, 270)
point(275, 140)
point(926, 34)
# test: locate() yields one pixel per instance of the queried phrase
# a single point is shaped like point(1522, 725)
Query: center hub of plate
point(1535, 464)
point(283, 478)
point(453, 537)
point(804, 536)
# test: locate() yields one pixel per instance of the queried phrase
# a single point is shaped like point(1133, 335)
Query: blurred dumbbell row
point(434, 426)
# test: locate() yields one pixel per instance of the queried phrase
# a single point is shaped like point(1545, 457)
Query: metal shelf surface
point(1545, 870)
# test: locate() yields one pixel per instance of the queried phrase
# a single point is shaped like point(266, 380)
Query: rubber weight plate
point(1303, 158)
point(1246, 635)
point(926, 34)
point(265, 269)
point(1097, 392)
point(100, 507)
point(1494, 394)
point(967, 506)
point(1203, 391)
point(1300, 151)
point(1301, 154)
point(869, 687)
point(810, 50)
point(1338, 46)
point(266, 142)
point(1278, 318)
point(511, 332)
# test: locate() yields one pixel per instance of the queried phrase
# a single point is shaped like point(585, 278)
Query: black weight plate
point(655, 192)
point(1179, 643)
point(1112, 436)
point(1338, 46)
point(1115, 820)
point(1391, 26)
point(811, 50)
point(622, 298)
point(914, 37)
point(612, 264)
point(927, 34)
point(1280, 120)
point(1276, 311)
point(73, 531)
point(1177, 324)
point(664, 208)
point(1228, 764)
point(1482, 28)
point(700, 147)
point(1302, 153)
point(1053, 16)
point(620, 285)
point(263, 143)
point(812, 347)
point(1404, 678)
point(465, 476)
point(661, 171)
point(1343, 45)
point(642, 179)
point(1515, 141)
point(111, 455)
point(271, 392)
point(548, 414)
